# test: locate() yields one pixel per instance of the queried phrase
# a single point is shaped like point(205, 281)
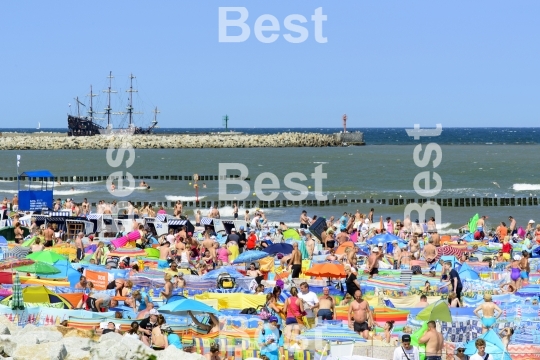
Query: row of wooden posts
point(457, 202)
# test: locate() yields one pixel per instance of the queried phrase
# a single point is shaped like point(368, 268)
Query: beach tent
point(455, 263)
point(291, 234)
point(494, 346)
point(467, 273)
point(472, 223)
point(439, 310)
point(40, 295)
point(8, 232)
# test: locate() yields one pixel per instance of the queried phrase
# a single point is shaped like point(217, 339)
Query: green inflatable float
point(415, 337)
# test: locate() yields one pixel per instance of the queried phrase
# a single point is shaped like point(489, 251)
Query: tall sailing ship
point(89, 126)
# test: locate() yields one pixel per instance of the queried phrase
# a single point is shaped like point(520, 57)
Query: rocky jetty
point(55, 142)
point(63, 343)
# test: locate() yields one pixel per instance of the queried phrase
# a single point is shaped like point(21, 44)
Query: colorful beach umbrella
point(229, 270)
point(39, 268)
point(439, 310)
point(330, 333)
point(17, 302)
point(249, 256)
point(280, 248)
point(327, 270)
point(384, 238)
point(343, 247)
point(49, 257)
point(494, 346)
point(182, 306)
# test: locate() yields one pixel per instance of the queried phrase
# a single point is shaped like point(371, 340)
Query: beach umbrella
point(3, 241)
point(494, 346)
point(439, 310)
point(39, 268)
point(291, 234)
point(17, 302)
point(384, 238)
point(249, 256)
point(182, 306)
point(327, 270)
point(341, 249)
point(48, 257)
point(280, 248)
point(330, 333)
point(229, 270)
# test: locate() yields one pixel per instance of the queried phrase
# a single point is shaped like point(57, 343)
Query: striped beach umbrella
point(17, 302)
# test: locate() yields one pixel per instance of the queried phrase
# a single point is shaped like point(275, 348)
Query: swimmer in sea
point(488, 309)
point(144, 184)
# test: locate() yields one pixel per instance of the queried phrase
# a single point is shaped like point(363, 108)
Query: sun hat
point(375, 249)
point(242, 227)
point(380, 244)
point(233, 229)
point(153, 312)
point(273, 319)
point(531, 221)
point(517, 257)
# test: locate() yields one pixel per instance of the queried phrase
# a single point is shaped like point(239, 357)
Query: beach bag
point(249, 311)
point(521, 232)
point(264, 312)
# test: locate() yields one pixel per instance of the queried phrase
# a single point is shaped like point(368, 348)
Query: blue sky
point(386, 63)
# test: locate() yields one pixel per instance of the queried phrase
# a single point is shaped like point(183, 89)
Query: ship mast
point(109, 91)
point(130, 106)
point(91, 110)
point(156, 111)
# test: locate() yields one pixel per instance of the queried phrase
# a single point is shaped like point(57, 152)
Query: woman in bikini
point(159, 340)
point(515, 272)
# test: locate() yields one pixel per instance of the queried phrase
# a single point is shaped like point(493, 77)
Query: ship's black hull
point(79, 126)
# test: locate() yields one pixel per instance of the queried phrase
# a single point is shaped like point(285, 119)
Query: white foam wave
point(320, 162)
point(7, 181)
point(70, 192)
point(227, 212)
point(525, 187)
point(182, 198)
point(138, 188)
point(9, 191)
point(78, 183)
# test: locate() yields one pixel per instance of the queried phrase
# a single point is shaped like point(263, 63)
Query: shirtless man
point(506, 336)
point(373, 262)
point(48, 234)
point(360, 313)
point(488, 309)
point(165, 251)
point(296, 261)
point(396, 254)
point(342, 237)
point(182, 233)
point(79, 246)
point(304, 220)
point(310, 245)
point(407, 223)
point(430, 252)
point(481, 223)
point(436, 238)
point(326, 306)
point(177, 211)
point(434, 342)
point(208, 244)
point(235, 211)
point(414, 247)
point(513, 226)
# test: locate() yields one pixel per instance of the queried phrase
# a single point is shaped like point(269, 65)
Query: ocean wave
point(7, 181)
point(525, 187)
point(71, 192)
point(139, 188)
point(78, 183)
point(9, 191)
point(227, 212)
point(182, 198)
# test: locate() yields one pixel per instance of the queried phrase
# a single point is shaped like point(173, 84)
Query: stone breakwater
point(31, 142)
point(63, 343)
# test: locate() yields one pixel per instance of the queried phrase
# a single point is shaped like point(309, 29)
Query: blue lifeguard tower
point(38, 199)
